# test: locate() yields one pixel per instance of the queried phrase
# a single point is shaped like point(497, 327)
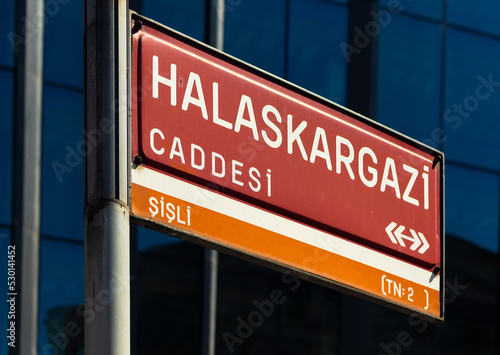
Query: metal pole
point(210, 301)
point(107, 249)
point(27, 167)
point(215, 38)
point(215, 23)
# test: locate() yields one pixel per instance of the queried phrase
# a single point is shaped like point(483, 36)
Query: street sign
point(230, 156)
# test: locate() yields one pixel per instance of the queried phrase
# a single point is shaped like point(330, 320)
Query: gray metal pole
point(215, 38)
point(27, 167)
point(107, 226)
point(215, 30)
point(210, 301)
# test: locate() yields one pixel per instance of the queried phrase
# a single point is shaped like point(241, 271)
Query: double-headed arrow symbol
point(418, 239)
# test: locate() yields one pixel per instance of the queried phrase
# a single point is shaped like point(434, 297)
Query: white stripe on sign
point(242, 211)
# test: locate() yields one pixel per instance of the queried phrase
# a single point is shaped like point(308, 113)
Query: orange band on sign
point(259, 242)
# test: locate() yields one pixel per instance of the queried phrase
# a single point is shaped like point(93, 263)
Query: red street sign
point(237, 136)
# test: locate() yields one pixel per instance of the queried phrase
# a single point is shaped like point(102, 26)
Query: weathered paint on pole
point(107, 249)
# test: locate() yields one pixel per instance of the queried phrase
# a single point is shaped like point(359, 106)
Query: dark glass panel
point(168, 295)
point(186, 16)
point(63, 44)
point(61, 313)
point(479, 15)
point(262, 311)
point(472, 206)
point(409, 78)
point(427, 8)
point(471, 118)
point(255, 33)
point(11, 39)
point(6, 141)
point(62, 164)
point(315, 59)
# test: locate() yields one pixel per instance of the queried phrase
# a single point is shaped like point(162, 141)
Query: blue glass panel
point(4, 306)
point(63, 45)
point(6, 130)
point(148, 239)
point(255, 33)
point(62, 164)
point(316, 61)
point(472, 206)
point(187, 16)
point(60, 322)
point(10, 39)
point(409, 78)
point(478, 14)
point(429, 8)
point(471, 101)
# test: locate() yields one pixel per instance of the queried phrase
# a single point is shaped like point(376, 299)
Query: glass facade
point(437, 80)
